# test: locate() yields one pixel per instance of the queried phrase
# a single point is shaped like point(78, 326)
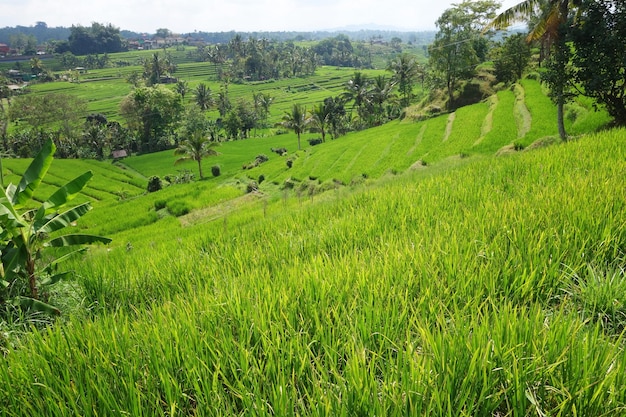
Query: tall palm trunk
point(200, 168)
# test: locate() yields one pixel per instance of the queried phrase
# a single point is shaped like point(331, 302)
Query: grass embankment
point(494, 288)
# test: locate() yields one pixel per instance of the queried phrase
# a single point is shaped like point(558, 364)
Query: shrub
point(154, 184)
point(252, 186)
point(257, 161)
point(178, 208)
point(160, 204)
point(261, 178)
point(289, 163)
point(315, 141)
point(215, 170)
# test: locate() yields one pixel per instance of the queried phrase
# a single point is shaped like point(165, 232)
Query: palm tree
point(553, 15)
point(295, 120)
point(405, 70)
point(204, 97)
point(357, 89)
point(195, 148)
point(381, 93)
point(319, 119)
point(181, 88)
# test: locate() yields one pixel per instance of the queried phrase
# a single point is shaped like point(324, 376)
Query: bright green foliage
point(511, 58)
point(25, 232)
point(152, 113)
point(600, 66)
point(494, 288)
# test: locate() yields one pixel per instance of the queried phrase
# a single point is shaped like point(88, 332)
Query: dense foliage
point(97, 39)
point(458, 47)
point(600, 66)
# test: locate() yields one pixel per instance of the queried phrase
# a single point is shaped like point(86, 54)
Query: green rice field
point(455, 266)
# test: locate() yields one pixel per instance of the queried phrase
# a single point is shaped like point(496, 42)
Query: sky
point(185, 16)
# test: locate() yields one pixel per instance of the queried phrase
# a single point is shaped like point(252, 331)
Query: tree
point(196, 145)
point(600, 66)
point(182, 87)
point(357, 90)
point(295, 120)
point(204, 97)
point(247, 116)
point(223, 102)
point(453, 55)
point(549, 27)
point(28, 232)
point(511, 58)
point(405, 70)
point(53, 110)
point(36, 65)
point(163, 33)
point(152, 114)
point(319, 119)
point(336, 114)
point(97, 39)
point(382, 94)
point(155, 68)
point(262, 103)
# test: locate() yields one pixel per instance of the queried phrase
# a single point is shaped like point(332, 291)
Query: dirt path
point(488, 122)
point(449, 126)
point(523, 118)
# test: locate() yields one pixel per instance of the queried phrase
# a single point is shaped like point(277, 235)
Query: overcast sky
point(183, 16)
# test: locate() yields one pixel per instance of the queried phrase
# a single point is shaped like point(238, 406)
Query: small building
point(4, 49)
point(119, 154)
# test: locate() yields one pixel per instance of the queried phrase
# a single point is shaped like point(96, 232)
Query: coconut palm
point(204, 97)
point(553, 15)
point(196, 148)
point(319, 119)
point(405, 70)
point(382, 92)
point(295, 120)
point(182, 87)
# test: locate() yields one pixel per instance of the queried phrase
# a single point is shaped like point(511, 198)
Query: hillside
point(464, 284)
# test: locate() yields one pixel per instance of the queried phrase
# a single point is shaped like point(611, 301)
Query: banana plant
point(28, 228)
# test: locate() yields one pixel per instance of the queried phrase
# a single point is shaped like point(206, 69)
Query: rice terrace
point(317, 224)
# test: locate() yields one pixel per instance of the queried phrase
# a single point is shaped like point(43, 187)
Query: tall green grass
point(470, 291)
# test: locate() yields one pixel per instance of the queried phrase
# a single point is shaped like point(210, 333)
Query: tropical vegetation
point(409, 239)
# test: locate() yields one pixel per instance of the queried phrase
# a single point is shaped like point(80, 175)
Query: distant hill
point(44, 34)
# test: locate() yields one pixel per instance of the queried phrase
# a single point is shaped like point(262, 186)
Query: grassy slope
point(416, 294)
point(479, 290)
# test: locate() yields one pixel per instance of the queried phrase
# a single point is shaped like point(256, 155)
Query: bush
point(257, 161)
point(154, 184)
point(289, 163)
point(160, 204)
point(215, 170)
point(315, 141)
point(251, 187)
point(178, 208)
point(261, 178)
